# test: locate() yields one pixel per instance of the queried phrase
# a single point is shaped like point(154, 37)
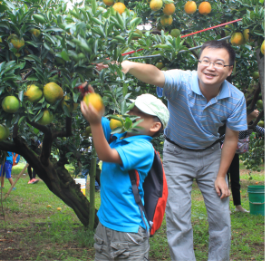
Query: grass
point(32, 231)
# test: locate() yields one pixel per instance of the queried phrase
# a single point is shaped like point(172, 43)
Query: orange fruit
point(246, 35)
point(33, 93)
point(190, 7)
point(255, 75)
point(262, 48)
point(115, 123)
point(159, 65)
point(71, 106)
point(155, 5)
point(35, 32)
point(18, 43)
point(169, 9)
point(205, 8)
point(119, 7)
point(10, 104)
point(166, 20)
point(175, 32)
point(4, 132)
point(237, 38)
point(95, 100)
point(108, 2)
point(46, 118)
point(52, 92)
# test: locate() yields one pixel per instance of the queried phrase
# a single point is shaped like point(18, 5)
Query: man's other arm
point(147, 73)
point(228, 153)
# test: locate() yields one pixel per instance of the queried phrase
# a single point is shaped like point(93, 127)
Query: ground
point(31, 230)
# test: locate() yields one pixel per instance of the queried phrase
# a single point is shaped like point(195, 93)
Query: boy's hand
point(91, 114)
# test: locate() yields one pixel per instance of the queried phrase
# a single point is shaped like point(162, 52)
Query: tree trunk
point(261, 73)
point(57, 179)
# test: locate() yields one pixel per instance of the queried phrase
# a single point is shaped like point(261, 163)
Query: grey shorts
point(115, 245)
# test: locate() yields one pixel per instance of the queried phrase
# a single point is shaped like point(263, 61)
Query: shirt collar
point(131, 138)
point(225, 91)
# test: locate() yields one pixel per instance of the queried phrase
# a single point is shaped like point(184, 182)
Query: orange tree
point(46, 51)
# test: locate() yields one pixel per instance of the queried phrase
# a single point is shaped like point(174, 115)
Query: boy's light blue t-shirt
point(118, 210)
point(194, 122)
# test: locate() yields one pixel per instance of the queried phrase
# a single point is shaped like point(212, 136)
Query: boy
point(8, 168)
point(121, 234)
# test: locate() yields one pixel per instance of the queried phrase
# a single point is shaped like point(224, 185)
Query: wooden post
point(92, 173)
point(19, 175)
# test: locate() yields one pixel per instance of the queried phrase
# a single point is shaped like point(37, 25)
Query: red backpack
point(155, 194)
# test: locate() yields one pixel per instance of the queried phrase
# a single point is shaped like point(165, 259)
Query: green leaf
point(128, 123)
point(64, 55)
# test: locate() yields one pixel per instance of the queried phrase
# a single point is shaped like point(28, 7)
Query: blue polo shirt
point(118, 210)
point(193, 121)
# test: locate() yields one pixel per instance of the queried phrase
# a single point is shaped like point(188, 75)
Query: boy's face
point(148, 121)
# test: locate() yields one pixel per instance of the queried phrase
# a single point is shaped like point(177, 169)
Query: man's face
point(210, 76)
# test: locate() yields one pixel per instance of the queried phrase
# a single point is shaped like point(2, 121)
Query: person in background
point(234, 171)
point(35, 146)
point(11, 159)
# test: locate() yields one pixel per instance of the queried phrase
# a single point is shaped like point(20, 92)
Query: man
point(199, 103)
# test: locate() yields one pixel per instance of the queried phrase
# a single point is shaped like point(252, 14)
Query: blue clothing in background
point(193, 121)
point(118, 209)
point(9, 157)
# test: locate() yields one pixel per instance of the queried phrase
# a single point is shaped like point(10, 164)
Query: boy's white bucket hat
point(151, 105)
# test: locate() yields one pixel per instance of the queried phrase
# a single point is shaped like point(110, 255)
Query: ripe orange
point(155, 5)
point(205, 8)
point(237, 38)
point(33, 93)
point(169, 9)
point(46, 118)
point(10, 104)
point(4, 132)
point(52, 92)
point(190, 7)
point(166, 20)
point(119, 7)
point(108, 2)
point(262, 48)
point(95, 100)
point(115, 123)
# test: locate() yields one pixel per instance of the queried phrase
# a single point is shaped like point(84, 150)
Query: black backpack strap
point(138, 198)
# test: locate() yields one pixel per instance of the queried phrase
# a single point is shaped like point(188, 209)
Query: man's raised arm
point(144, 72)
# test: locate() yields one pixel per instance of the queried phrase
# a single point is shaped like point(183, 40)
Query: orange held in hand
point(190, 7)
point(95, 100)
point(205, 8)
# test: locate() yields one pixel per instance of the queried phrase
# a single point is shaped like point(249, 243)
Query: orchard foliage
point(43, 42)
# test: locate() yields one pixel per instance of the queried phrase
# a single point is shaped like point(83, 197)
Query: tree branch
point(255, 98)
point(67, 132)
point(256, 121)
point(38, 126)
point(15, 131)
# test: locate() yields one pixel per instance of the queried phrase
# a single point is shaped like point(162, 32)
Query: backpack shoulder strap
point(138, 198)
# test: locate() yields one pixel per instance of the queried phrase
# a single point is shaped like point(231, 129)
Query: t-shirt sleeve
point(106, 128)
point(238, 118)
point(173, 80)
point(137, 155)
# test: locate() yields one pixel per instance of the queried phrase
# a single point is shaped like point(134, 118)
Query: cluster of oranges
point(204, 7)
point(118, 6)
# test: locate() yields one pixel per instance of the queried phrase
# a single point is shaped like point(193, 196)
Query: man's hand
point(221, 187)
point(91, 114)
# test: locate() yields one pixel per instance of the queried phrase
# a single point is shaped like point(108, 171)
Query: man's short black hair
point(221, 45)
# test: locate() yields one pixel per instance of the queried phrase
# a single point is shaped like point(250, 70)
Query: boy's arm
point(103, 149)
point(228, 152)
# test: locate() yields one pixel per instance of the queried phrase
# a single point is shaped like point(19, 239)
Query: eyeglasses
point(217, 64)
